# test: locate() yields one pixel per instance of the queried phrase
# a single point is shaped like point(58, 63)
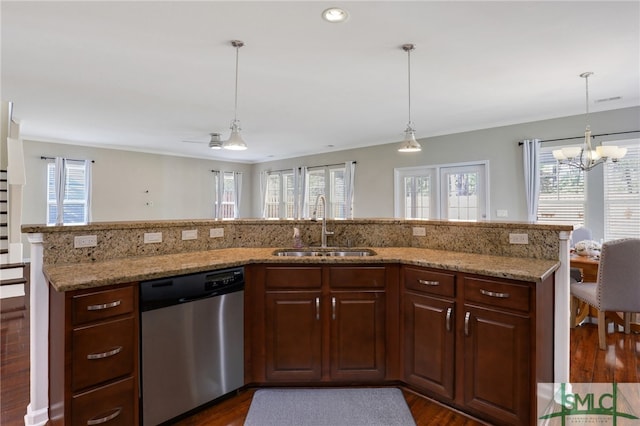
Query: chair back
point(580, 234)
point(619, 276)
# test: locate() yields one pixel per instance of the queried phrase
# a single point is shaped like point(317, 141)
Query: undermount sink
point(324, 252)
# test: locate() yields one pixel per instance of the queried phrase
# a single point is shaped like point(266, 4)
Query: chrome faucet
point(314, 217)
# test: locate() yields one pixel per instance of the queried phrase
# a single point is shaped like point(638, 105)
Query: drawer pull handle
point(317, 308)
point(449, 319)
point(106, 418)
point(106, 354)
point(466, 323)
point(333, 308)
point(432, 283)
point(103, 306)
point(494, 294)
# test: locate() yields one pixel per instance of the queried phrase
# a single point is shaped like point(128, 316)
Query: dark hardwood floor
point(619, 363)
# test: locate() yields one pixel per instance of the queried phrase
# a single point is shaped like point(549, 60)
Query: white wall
point(179, 187)
point(499, 145)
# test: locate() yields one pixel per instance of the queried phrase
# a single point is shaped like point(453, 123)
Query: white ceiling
point(148, 75)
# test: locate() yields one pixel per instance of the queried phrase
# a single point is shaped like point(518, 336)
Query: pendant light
point(586, 158)
point(409, 144)
point(235, 141)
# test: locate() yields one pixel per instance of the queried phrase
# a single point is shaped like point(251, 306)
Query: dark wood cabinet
point(478, 343)
point(93, 361)
point(357, 336)
point(321, 324)
point(293, 336)
point(429, 330)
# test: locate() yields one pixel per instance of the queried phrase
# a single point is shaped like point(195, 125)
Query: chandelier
point(585, 157)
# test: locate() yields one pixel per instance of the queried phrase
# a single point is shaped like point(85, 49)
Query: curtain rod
point(582, 137)
point(42, 157)
point(329, 165)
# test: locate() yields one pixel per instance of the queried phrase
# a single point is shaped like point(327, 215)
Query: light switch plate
point(216, 232)
point(85, 241)
point(190, 234)
point(518, 238)
point(419, 231)
point(152, 237)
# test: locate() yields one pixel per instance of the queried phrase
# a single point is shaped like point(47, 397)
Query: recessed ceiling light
point(335, 15)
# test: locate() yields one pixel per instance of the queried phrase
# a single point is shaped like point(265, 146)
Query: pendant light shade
point(586, 158)
point(409, 144)
point(235, 141)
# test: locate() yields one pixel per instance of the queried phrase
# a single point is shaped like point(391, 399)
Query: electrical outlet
point(152, 237)
point(190, 234)
point(85, 241)
point(216, 232)
point(502, 213)
point(518, 238)
point(419, 231)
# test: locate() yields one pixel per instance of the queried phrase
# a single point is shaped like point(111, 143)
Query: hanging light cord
point(586, 82)
point(409, 81)
point(235, 112)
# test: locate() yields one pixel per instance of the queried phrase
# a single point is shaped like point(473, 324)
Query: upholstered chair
point(618, 285)
point(580, 234)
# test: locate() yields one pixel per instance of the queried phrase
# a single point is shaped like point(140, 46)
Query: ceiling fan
point(214, 142)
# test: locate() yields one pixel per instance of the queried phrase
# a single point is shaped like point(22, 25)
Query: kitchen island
point(481, 263)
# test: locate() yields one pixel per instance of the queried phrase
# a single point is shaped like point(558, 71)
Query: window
point(227, 194)
point(330, 181)
point(622, 194)
point(280, 197)
point(452, 191)
point(75, 192)
point(463, 192)
point(562, 192)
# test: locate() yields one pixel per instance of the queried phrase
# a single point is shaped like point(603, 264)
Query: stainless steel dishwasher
point(191, 341)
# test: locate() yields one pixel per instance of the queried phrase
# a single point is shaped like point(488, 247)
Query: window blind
point(562, 192)
point(622, 193)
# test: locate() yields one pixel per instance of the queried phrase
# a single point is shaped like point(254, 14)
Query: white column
point(38, 408)
point(562, 314)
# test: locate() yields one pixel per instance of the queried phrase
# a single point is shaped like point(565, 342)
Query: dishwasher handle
point(199, 297)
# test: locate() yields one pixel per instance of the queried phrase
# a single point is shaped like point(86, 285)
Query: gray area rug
point(329, 407)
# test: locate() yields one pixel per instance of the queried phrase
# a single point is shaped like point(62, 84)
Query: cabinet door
point(293, 336)
point(497, 364)
point(429, 330)
point(357, 335)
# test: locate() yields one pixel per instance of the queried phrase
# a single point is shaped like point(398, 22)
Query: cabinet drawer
point(293, 277)
point(102, 304)
point(431, 282)
point(497, 293)
point(360, 277)
point(109, 405)
point(102, 352)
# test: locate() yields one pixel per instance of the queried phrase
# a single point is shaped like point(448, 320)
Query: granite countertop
point(117, 271)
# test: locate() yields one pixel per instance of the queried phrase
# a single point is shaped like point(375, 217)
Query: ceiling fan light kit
point(215, 142)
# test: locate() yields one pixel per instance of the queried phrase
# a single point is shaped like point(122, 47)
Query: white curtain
point(87, 186)
point(296, 204)
point(264, 179)
point(349, 180)
point(302, 193)
point(531, 157)
point(237, 193)
point(218, 190)
point(59, 188)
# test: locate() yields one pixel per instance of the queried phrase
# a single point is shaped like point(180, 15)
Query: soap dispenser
point(297, 241)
